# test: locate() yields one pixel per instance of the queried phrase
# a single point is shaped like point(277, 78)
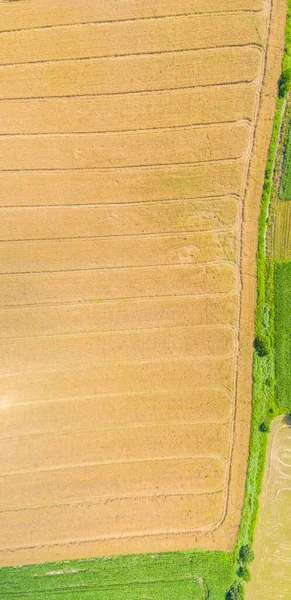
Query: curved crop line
point(247, 176)
point(127, 167)
point(185, 233)
point(134, 204)
point(105, 499)
point(158, 92)
point(128, 361)
point(119, 299)
point(124, 536)
point(118, 132)
point(130, 299)
point(114, 332)
point(155, 18)
point(132, 54)
point(91, 238)
point(130, 93)
point(218, 457)
point(56, 433)
point(118, 395)
point(111, 428)
point(210, 263)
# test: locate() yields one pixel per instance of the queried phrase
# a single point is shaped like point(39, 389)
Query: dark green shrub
point(284, 83)
point(235, 592)
point(244, 573)
point(264, 428)
point(261, 346)
point(246, 554)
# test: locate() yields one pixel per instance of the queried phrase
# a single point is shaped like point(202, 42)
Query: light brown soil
point(129, 194)
point(271, 568)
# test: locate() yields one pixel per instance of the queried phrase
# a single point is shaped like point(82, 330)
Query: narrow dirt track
point(133, 139)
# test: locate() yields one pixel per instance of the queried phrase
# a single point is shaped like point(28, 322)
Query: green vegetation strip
point(283, 335)
point(285, 188)
point(264, 407)
point(166, 576)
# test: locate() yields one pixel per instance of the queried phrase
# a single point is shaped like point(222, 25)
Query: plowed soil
point(133, 140)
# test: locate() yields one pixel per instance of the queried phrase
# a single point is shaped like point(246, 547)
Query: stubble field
point(128, 236)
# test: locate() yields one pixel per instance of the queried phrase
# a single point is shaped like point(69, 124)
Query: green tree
point(261, 346)
point(235, 592)
point(284, 83)
point(246, 554)
point(244, 573)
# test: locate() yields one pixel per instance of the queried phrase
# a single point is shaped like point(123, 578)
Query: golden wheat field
point(133, 140)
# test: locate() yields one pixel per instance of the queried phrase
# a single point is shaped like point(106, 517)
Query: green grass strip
point(283, 335)
point(285, 187)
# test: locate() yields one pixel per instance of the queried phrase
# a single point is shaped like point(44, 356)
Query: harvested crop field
point(133, 141)
point(271, 568)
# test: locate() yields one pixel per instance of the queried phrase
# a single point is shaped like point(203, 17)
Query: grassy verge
point(285, 187)
point(263, 407)
point(176, 576)
point(283, 335)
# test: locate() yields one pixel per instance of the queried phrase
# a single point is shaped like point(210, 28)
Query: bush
point(246, 554)
point(244, 573)
point(264, 428)
point(235, 592)
point(284, 83)
point(261, 346)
